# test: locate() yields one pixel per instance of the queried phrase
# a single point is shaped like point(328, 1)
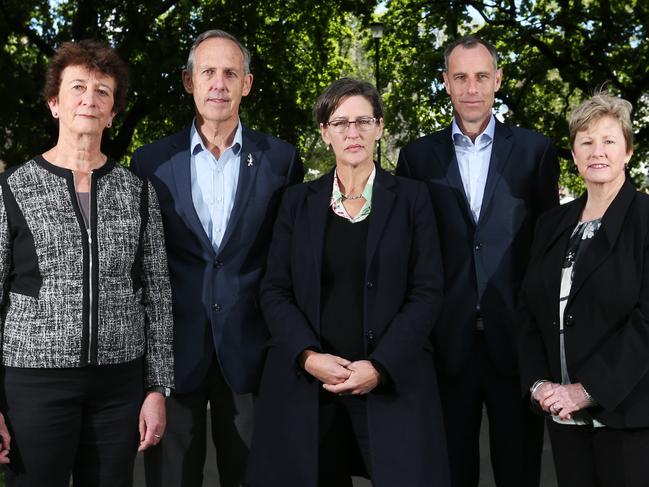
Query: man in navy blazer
point(219, 185)
point(488, 183)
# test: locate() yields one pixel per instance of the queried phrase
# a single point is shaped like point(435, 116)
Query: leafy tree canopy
point(297, 48)
point(554, 53)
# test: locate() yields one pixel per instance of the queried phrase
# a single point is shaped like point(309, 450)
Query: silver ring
point(157, 436)
point(554, 410)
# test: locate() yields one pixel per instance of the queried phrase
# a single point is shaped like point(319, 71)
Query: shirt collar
point(487, 135)
point(337, 195)
point(196, 143)
point(336, 202)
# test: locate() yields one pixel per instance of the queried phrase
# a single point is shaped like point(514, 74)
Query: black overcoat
point(403, 296)
point(607, 315)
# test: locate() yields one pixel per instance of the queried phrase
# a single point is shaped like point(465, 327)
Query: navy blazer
point(607, 314)
point(484, 261)
point(215, 294)
point(403, 295)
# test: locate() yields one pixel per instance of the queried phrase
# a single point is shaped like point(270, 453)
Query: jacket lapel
point(251, 156)
point(605, 238)
point(318, 206)
point(382, 201)
point(502, 147)
point(555, 247)
point(447, 160)
point(180, 159)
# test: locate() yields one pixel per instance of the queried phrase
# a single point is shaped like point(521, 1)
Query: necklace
point(351, 198)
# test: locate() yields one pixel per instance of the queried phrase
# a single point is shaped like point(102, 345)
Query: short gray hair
point(469, 42)
point(219, 34)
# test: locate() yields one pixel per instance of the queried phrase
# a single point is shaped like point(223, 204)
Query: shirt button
point(370, 284)
point(216, 307)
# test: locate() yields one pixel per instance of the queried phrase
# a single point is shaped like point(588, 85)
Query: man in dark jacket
point(219, 185)
point(488, 183)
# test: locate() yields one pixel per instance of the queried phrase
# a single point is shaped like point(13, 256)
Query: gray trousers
point(178, 460)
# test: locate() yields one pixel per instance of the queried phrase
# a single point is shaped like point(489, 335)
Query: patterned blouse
point(579, 239)
point(337, 200)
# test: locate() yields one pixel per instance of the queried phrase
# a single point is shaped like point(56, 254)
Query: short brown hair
point(341, 89)
point(595, 108)
point(469, 42)
point(93, 55)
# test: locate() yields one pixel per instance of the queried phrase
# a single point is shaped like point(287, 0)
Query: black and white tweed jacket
point(73, 297)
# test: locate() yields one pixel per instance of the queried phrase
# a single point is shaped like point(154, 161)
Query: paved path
point(547, 474)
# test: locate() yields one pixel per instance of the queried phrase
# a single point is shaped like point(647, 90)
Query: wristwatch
point(165, 391)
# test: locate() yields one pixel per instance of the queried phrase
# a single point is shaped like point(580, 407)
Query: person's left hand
point(152, 420)
point(5, 441)
point(362, 380)
point(565, 400)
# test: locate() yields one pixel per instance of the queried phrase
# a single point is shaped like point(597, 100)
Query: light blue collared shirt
point(473, 162)
point(214, 184)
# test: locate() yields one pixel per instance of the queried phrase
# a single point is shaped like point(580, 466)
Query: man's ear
point(187, 82)
point(247, 84)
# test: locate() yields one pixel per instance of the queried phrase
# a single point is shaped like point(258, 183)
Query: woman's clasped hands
point(338, 375)
point(561, 400)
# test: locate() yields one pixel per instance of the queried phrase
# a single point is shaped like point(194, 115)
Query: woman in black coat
point(584, 342)
point(351, 292)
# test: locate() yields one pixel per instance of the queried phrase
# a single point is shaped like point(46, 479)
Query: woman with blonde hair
point(584, 338)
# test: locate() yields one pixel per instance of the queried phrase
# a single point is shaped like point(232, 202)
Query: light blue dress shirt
point(214, 184)
point(473, 162)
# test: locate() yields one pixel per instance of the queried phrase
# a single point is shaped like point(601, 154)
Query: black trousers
point(515, 433)
point(344, 440)
point(81, 422)
point(178, 460)
point(599, 457)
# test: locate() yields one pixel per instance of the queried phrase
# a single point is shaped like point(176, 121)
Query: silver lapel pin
point(250, 160)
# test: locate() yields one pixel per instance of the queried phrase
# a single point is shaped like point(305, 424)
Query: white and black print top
point(579, 240)
point(77, 293)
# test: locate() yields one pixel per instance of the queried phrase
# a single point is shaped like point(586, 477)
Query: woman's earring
point(55, 114)
point(327, 146)
point(109, 124)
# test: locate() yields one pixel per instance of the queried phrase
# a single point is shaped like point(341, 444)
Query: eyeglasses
point(363, 124)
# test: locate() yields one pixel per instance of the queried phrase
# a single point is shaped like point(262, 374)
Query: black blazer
point(215, 294)
point(402, 298)
point(607, 314)
point(484, 261)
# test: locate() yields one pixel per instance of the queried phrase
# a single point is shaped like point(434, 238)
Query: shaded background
point(553, 52)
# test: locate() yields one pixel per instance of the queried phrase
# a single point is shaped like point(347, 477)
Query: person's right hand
point(5, 441)
point(544, 391)
point(327, 368)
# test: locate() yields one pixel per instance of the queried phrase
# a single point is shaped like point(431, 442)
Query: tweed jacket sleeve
point(5, 252)
point(159, 360)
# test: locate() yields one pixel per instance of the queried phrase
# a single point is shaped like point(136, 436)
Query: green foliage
point(297, 48)
point(553, 54)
